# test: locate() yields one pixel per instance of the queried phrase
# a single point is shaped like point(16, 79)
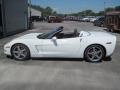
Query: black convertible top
point(51, 33)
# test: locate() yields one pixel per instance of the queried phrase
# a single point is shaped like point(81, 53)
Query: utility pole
point(104, 7)
point(105, 12)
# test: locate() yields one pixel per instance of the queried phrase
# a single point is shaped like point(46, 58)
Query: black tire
point(88, 57)
point(10, 57)
point(27, 52)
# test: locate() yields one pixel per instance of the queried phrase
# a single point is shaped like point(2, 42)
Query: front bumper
point(7, 50)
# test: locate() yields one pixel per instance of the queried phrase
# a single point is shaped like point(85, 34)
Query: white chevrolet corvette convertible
point(93, 46)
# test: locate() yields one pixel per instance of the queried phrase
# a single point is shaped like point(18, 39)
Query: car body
point(63, 45)
point(86, 19)
point(72, 18)
point(99, 22)
point(92, 20)
point(54, 19)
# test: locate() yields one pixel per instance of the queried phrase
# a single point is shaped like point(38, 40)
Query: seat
point(75, 34)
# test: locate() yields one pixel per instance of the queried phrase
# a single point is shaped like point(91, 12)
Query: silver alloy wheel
point(19, 52)
point(95, 54)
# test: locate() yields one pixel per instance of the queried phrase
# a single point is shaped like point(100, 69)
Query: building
point(34, 12)
point(112, 21)
point(13, 16)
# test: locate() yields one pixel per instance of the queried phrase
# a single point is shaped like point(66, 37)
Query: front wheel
point(20, 52)
point(94, 53)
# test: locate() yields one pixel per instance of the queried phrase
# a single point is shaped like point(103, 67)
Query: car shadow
point(58, 59)
point(63, 59)
point(108, 59)
point(68, 59)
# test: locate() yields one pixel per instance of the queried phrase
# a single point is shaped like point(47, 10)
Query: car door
point(61, 47)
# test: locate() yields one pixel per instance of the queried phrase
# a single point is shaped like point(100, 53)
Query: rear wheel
point(94, 53)
point(20, 52)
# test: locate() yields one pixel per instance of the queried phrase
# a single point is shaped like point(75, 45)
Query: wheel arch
point(21, 44)
point(98, 45)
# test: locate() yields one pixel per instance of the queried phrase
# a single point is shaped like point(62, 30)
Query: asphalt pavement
point(59, 74)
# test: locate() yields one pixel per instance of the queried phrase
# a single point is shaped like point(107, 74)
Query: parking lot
point(59, 74)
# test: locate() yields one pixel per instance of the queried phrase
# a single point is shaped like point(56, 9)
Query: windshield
point(49, 35)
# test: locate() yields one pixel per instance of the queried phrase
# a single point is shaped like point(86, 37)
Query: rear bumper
point(111, 47)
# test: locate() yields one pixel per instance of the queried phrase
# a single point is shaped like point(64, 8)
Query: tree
point(39, 8)
point(54, 13)
point(101, 13)
point(48, 11)
point(109, 9)
point(87, 13)
point(45, 11)
point(117, 8)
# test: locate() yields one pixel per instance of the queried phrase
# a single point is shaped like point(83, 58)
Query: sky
point(72, 6)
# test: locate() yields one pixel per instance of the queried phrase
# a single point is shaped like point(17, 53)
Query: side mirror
point(81, 35)
point(54, 38)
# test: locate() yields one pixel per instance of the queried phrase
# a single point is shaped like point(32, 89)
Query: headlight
point(7, 45)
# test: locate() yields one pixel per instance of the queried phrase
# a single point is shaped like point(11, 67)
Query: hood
point(29, 36)
point(24, 37)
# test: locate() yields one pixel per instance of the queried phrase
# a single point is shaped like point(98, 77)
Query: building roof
point(113, 13)
point(34, 12)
